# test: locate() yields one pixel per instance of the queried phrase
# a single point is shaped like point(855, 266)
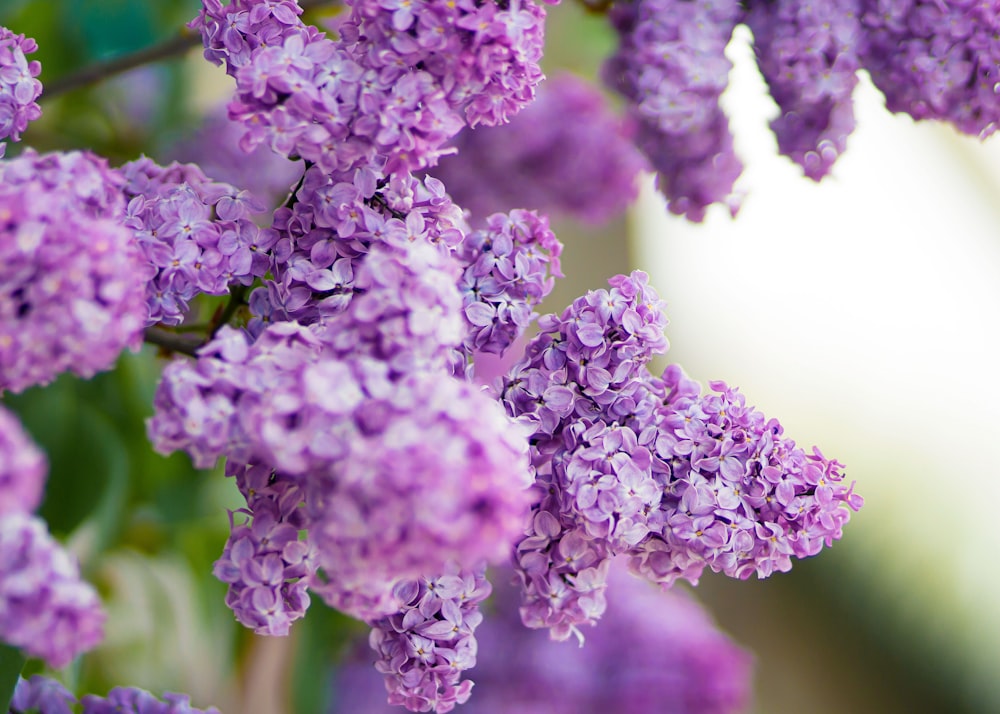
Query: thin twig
point(178, 45)
point(173, 342)
point(237, 298)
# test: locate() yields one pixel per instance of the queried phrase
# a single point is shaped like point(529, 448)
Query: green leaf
point(11, 663)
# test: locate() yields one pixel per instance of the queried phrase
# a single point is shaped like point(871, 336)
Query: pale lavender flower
point(46, 609)
point(808, 53)
point(671, 67)
point(43, 695)
point(19, 87)
point(738, 497)
point(423, 648)
point(72, 276)
point(22, 468)
point(132, 700)
point(46, 696)
point(197, 235)
point(511, 267)
point(266, 563)
point(567, 152)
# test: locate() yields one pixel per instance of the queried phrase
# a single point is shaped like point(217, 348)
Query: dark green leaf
point(11, 663)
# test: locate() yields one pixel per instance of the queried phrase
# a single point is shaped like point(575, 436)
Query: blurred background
point(861, 312)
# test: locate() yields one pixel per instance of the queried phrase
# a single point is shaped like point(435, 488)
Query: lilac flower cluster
point(46, 696)
point(569, 130)
point(266, 563)
point(197, 234)
point(936, 60)
point(45, 608)
point(673, 661)
point(72, 276)
point(423, 649)
point(19, 87)
point(740, 497)
point(341, 405)
point(808, 53)
point(512, 265)
point(631, 464)
point(389, 93)
point(326, 234)
point(671, 67)
point(22, 468)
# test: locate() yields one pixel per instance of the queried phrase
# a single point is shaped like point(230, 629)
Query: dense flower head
point(808, 53)
point(436, 473)
point(197, 235)
point(671, 67)
point(73, 278)
point(484, 55)
point(46, 609)
point(22, 468)
point(511, 264)
point(19, 87)
point(568, 131)
point(586, 361)
point(936, 60)
point(266, 562)
point(740, 498)
point(326, 235)
point(673, 661)
point(389, 93)
point(423, 648)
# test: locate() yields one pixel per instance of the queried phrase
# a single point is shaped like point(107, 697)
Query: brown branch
point(172, 341)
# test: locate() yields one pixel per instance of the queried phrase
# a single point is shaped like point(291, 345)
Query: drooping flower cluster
point(19, 87)
point(808, 53)
point(42, 695)
point(936, 60)
point(45, 608)
point(196, 233)
point(423, 649)
point(72, 279)
point(632, 464)
point(512, 265)
point(402, 466)
point(671, 67)
point(266, 563)
point(22, 468)
point(740, 498)
point(673, 661)
point(389, 93)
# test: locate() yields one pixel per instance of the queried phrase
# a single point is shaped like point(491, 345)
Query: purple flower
point(935, 60)
point(41, 694)
point(569, 130)
point(19, 87)
point(132, 700)
point(45, 608)
point(511, 267)
point(22, 468)
point(672, 69)
point(72, 276)
point(423, 648)
point(196, 234)
point(674, 661)
point(808, 54)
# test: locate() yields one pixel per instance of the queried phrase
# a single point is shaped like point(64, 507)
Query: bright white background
point(864, 312)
